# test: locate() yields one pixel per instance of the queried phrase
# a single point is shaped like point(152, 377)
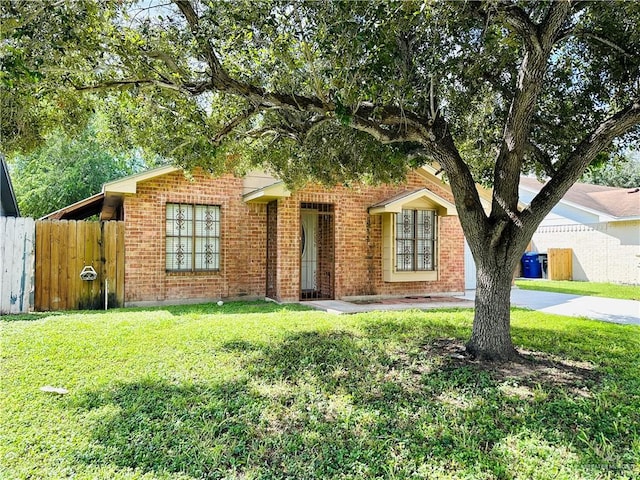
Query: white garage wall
point(602, 252)
point(469, 268)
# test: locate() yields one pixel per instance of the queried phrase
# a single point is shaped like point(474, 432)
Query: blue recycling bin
point(531, 267)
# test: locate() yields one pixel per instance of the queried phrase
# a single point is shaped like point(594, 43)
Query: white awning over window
point(422, 198)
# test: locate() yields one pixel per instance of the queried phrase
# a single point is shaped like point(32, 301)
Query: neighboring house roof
point(8, 203)
point(609, 203)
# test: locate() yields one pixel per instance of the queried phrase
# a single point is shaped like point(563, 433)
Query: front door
point(316, 251)
point(309, 261)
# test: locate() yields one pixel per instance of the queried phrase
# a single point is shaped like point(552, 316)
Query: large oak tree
point(346, 91)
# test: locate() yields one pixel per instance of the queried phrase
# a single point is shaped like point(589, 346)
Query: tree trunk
point(491, 337)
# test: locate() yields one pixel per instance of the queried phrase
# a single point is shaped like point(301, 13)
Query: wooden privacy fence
point(63, 250)
point(16, 264)
point(560, 264)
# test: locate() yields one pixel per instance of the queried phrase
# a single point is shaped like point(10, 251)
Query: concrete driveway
point(625, 312)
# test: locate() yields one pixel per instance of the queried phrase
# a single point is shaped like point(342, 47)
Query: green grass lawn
point(260, 391)
point(610, 290)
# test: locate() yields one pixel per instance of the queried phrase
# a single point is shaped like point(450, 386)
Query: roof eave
point(130, 184)
point(267, 194)
point(625, 219)
point(395, 206)
point(87, 204)
point(13, 210)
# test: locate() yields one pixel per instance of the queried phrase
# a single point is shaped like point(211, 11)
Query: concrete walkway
point(339, 307)
point(625, 312)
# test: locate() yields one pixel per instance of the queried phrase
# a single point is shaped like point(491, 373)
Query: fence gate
point(16, 264)
point(560, 263)
point(64, 250)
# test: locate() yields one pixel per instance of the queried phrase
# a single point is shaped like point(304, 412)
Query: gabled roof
point(611, 202)
point(266, 194)
point(8, 203)
point(259, 187)
point(395, 204)
point(108, 202)
point(130, 184)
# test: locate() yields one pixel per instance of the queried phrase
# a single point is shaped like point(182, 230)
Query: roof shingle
point(615, 202)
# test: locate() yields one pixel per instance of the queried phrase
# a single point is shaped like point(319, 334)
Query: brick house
point(198, 238)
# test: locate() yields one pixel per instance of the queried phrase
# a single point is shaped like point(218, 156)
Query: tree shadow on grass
point(29, 317)
point(201, 430)
point(344, 404)
point(228, 308)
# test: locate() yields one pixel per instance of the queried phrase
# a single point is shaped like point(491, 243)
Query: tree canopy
point(622, 171)
point(277, 79)
point(344, 91)
point(66, 170)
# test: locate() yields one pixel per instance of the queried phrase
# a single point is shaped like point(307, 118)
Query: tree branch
point(470, 210)
point(606, 42)
point(543, 158)
point(388, 124)
point(193, 88)
point(573, 167)
point(190, 15)
point(167, 60)
point(237, 120)
point(294, 129)
point(519, 20)
point(126, 83)
point(513, 15)
point(518, 123)
point(551, 27)
point(276, 132)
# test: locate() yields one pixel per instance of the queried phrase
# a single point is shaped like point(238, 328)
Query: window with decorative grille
point(192, 237)
point(416, 232)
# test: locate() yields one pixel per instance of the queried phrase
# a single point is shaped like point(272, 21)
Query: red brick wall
point(358, 237)
point(243, 241)
point(358, 242)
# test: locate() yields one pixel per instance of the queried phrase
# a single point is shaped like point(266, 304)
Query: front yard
point(264, 391)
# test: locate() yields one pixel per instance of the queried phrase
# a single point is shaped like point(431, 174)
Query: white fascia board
point(396, 205)
point(130, 184)
point(268, 193)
